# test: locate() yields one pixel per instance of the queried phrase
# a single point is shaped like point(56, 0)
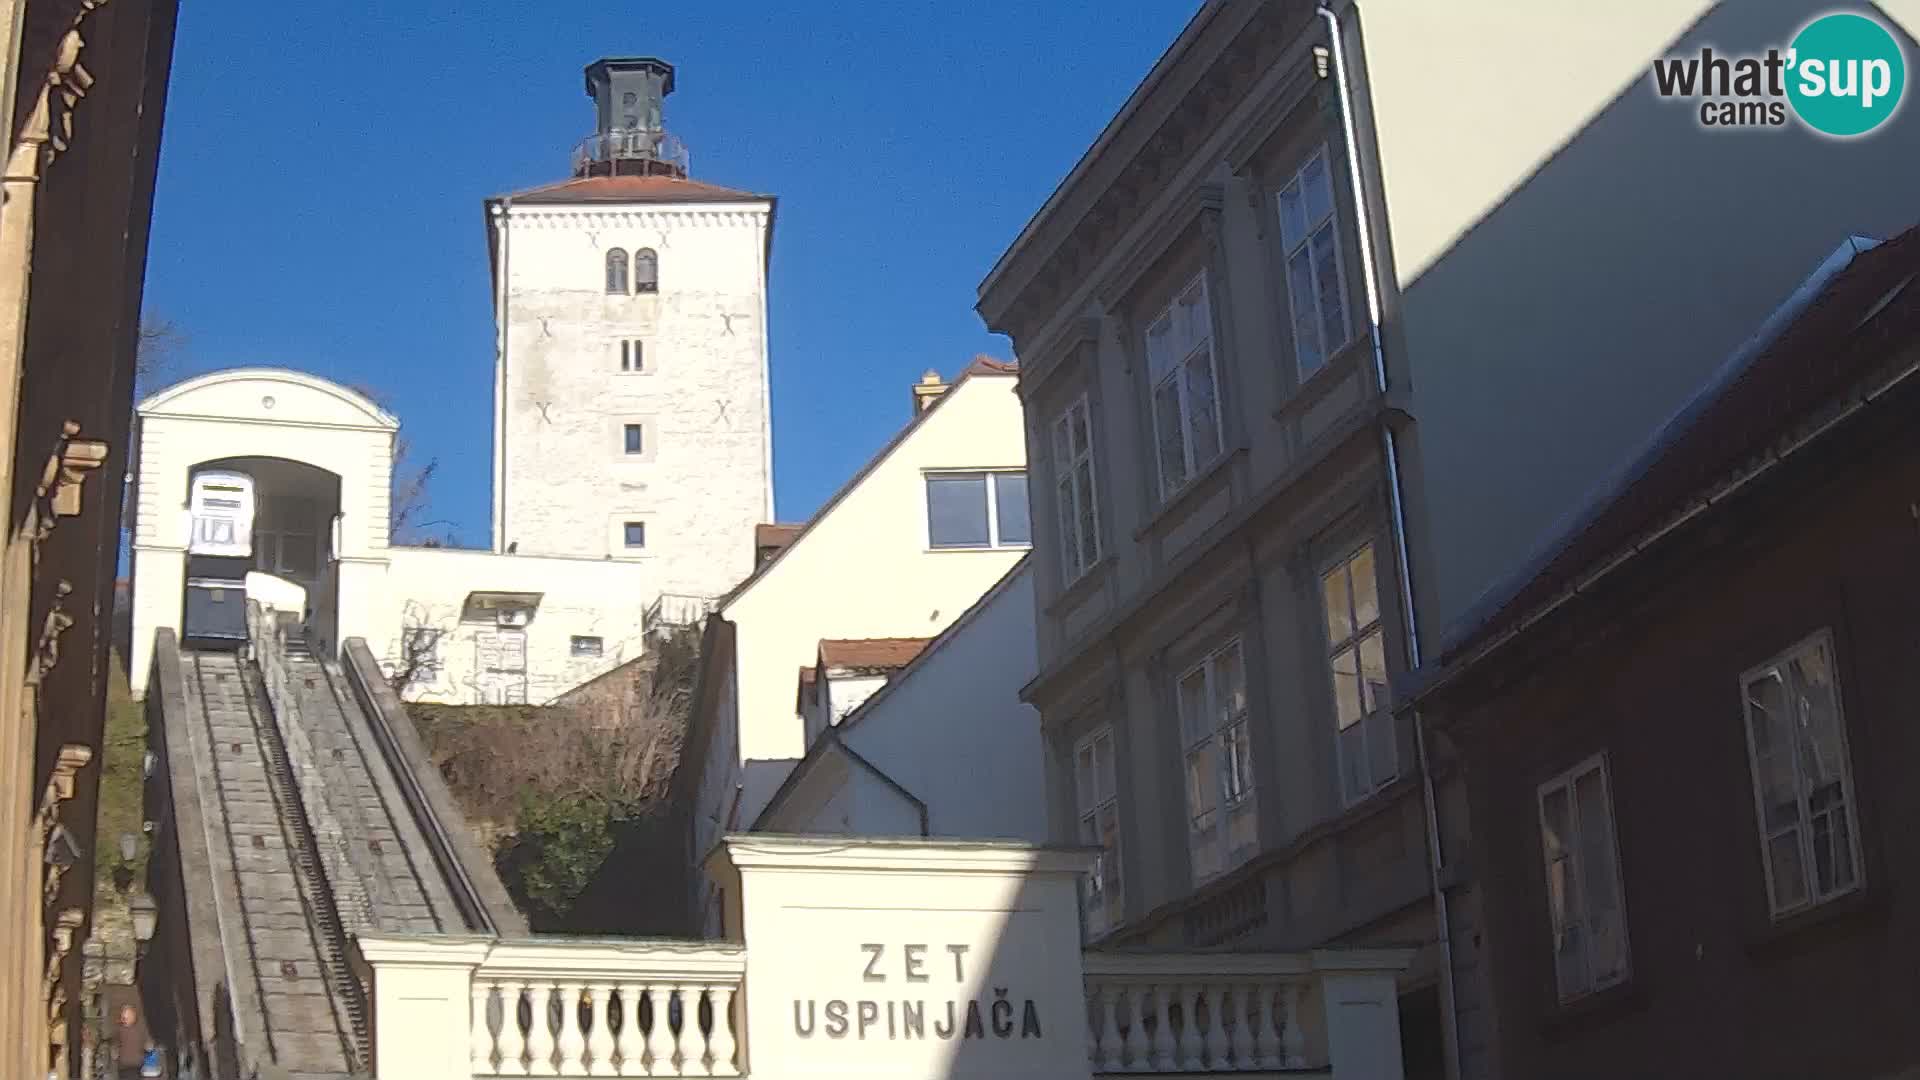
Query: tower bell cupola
point(630, 136)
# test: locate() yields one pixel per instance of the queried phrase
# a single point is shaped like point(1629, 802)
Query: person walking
point(130, 1044)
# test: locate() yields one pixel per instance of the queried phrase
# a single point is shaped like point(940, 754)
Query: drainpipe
point(1397, 511)
point(501, 212)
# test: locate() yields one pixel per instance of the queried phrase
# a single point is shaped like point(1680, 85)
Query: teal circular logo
point(1846, 75)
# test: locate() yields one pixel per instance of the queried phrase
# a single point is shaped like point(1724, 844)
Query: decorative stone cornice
point(1225, 81)
point(49, 127)
point(660, 219)
point(67, 469)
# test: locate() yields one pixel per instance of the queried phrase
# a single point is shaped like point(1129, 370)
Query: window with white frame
point(1073, 479)
point(1584, 899)
point(1357, 658)
point(978, 509)
point(1316, 287)
point(1221, 831)
point(1186, 400)
point(1802, 778)
point(1097, 799)
point(586, 645)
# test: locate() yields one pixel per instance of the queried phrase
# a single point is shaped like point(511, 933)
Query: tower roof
point(631, 189)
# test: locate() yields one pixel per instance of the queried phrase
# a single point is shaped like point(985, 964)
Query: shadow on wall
point(1516, 330)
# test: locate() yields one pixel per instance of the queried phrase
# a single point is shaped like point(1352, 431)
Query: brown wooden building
point(1689, 727)
point(85, 88)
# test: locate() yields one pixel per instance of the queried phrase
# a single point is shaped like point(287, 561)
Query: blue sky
point(323, 168)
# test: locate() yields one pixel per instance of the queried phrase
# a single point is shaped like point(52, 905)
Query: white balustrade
point(1201, 1012)
point(453, 1007)
point(606, 1008)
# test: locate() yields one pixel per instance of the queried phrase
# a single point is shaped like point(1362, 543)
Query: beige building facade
point(1315, 342)
point(903, 550)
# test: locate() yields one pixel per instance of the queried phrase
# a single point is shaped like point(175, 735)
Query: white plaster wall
point(703, 483)
point(864, 569)
point(428, 587)
point(953, 731)
point(247, 413)
point(845, 693)
point(1573, 255)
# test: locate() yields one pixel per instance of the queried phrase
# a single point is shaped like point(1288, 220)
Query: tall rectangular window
point(1073, 480)
point(1584, 900)
point(1802, 778)
point(1357, 656)
point(633, 438)
point(634, 534)
point(1221, 831)
point(978, 510)
point(1186, 405)
point(1098, 800)
point(633, 355)
point(1316, 287)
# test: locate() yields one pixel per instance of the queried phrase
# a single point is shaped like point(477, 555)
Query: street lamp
point(146, 914)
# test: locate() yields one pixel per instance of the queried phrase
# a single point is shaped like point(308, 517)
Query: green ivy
point(560, 845)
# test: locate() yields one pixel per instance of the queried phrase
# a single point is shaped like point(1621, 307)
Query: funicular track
point(314, 1012)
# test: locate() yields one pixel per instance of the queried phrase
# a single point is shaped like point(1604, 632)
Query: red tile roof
point(870, 653)
point(774, 536)
point(631, 189)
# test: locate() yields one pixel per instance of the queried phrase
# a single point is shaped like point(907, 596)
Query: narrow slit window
point(633, 355)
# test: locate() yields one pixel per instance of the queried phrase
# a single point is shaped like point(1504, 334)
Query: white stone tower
point(630, 386)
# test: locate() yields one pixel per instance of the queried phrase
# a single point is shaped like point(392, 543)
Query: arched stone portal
point(322, 459)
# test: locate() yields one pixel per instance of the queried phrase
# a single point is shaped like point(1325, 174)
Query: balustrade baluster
point(1100, 1031)
point(513, 1039)
point(1190, 1042)
point(1266, 1041)
point(480, 1034)
point(1216, 1034)
point(657, 1030)
point(1126, 1049)
point(723, 1043)
point(689, 1018)
point(632, 1047)
point(540, 1032)
point(600, 1039)
point(1163, 1055)
point(1240, 1035)
point(572, 1042)
point(1293, 1037)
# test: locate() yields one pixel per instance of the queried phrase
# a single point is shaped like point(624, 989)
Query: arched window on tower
point(616, 272)
point(646, 271)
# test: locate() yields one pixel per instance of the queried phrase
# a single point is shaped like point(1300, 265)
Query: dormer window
point(616, 272)
point(646, 271)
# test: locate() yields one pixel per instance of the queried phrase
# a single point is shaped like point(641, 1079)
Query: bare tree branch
point(411, 481)
point(160, 344)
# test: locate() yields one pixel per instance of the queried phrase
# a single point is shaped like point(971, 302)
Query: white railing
point(675, 609)
point(1201, 1012)
point(607, 1008)
point(451, 1007)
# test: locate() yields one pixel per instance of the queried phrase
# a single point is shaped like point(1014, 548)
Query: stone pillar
point(422, 1001)
point(911, 958)
point(1363, 1025)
